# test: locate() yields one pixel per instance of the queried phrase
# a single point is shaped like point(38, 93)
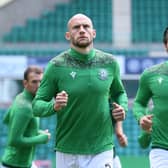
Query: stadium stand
point(51, 25)
point(149, 18)
point(53, 52)
point(3, 132)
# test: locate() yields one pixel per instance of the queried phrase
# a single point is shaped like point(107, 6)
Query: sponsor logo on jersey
point(103, 74)
point(73, 74)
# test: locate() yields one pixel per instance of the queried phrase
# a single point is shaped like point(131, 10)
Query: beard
point(82, 43)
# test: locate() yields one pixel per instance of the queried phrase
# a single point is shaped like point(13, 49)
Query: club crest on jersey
point(103, 74)
point(73, 74)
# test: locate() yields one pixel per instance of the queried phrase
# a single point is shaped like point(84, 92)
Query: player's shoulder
point(22, 102)
point(104, 56)
point(157, 69)
point(60, 58)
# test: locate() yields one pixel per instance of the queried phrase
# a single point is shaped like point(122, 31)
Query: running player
point(153, 86)
point(81, 80)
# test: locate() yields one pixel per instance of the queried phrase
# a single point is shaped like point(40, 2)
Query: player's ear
point(67, 35)
point(25, 83)
point(94, 33)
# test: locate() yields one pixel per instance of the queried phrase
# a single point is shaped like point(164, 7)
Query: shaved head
point(79, 16)
point(80, 32)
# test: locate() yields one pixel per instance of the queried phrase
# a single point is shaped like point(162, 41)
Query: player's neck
point(85, 50)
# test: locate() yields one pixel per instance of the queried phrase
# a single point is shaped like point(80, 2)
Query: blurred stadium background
point(32, 32)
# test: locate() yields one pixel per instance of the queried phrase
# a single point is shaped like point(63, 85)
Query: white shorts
point(33, 165)
point(101, 160)
point(116, 162)
point(158, 158)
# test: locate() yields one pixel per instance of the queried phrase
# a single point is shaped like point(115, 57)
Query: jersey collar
point(29, 95)
point(82, 57)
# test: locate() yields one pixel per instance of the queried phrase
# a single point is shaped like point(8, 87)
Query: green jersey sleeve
point(19, 124)
point(143, 96)
point(43, 103)
point(118, 93)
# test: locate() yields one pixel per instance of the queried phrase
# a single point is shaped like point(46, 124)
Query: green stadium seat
point(149, 19)
point(51, 25)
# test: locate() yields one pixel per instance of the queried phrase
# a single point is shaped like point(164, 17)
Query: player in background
point(153, 85)
point(23, 127)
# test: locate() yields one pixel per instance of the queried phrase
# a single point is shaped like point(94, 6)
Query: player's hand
point(61, 100)
point(46, 132)
point(118, 112)
point(146, 122)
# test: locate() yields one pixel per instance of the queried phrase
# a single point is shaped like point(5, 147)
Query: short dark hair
point(165, 36)
point(32, 68)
